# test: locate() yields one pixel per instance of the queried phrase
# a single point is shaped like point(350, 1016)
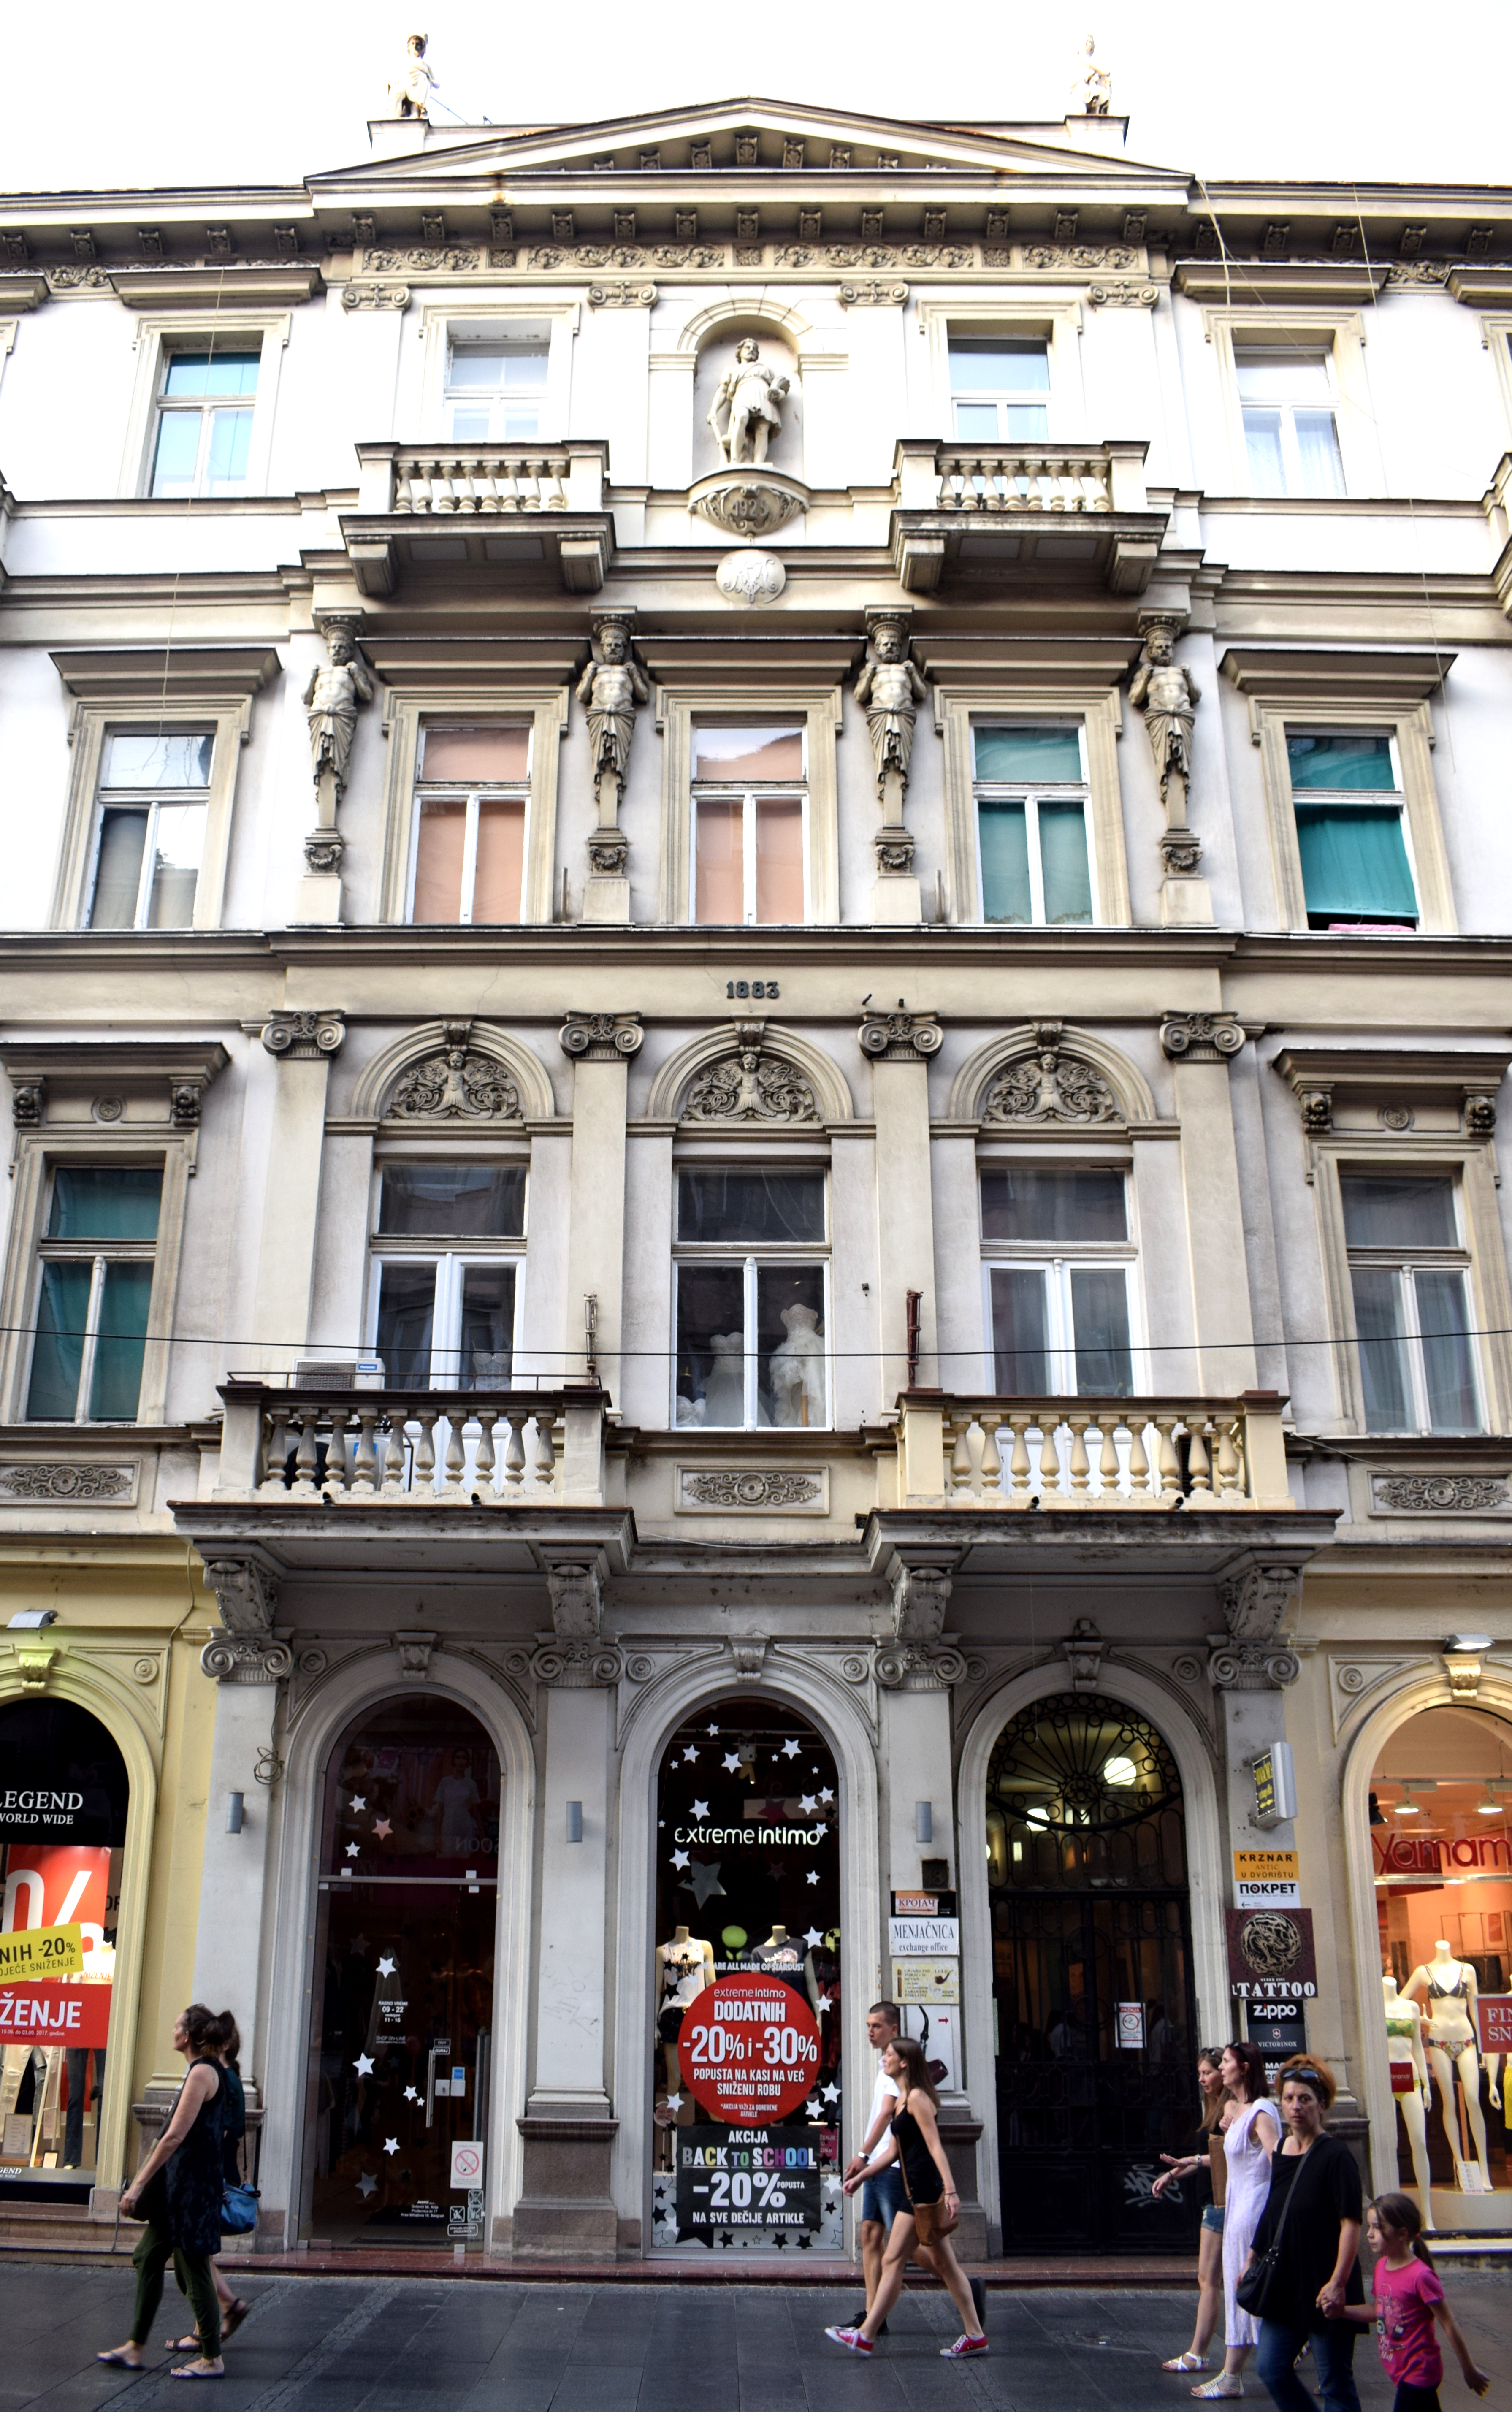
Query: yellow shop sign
point(34, 1954)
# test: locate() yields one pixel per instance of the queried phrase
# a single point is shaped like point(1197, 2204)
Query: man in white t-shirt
point(882, 2195)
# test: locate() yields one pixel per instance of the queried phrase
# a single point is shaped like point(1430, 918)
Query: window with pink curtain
point(748, 836)
point(469, 829)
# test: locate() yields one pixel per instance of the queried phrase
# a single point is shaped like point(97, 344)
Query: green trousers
point(155, 2248)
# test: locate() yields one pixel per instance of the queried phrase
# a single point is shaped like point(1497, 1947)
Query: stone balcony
point(970, 511)
point(538, 509)
point(1208, 1456)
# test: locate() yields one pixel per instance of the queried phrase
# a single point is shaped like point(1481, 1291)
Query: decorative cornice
point(901, 1038)
point(601, 1038)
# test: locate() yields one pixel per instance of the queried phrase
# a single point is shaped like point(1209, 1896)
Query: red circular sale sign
point(749, 2049)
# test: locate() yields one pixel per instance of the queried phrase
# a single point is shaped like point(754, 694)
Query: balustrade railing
point(1025, 477)
point(505, 1447)
point(475, 478)
point(994, 1452)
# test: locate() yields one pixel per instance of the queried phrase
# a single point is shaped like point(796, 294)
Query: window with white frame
point(1409, 1275)
point(1291, 432)
point(1000, 389)
point(98, 1253)
point(468, 842)
point(496, 387)
point(205, 405)
point(752, 1270)
point(448, 1258)
point(1030, 792)
point(1351, 829)
point(149, 828)
point(750, 811)
point(1059, 1269)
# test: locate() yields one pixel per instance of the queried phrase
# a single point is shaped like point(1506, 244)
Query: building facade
point(756, 996)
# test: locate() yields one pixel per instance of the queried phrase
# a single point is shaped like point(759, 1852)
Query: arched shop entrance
point(1092, 1976)
point(744, 2051)
point(64, 1798)
point(402, 2031)
point(1441, 1844)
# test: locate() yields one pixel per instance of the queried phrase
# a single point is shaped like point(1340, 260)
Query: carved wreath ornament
point(752, 1489)
point(65, 1482)
point(749, 1087)
point(1050, 1086)
point(458, 1084)
point(1410, 1494)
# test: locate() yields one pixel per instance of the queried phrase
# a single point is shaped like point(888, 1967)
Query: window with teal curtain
point(93, 1307)
point(1063, 860)
point(58, 1351)
point(1349, 832)
point(1034, 755)
point(105, 1201)
point(1032, 844)
point(1004, 832)
point(121, 1340)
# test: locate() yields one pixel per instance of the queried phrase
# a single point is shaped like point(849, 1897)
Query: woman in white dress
point(1251, 2137)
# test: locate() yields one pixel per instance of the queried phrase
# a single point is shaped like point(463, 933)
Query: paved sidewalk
point(392, 2345)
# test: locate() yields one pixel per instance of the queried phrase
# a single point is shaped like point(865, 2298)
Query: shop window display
point(63, 1824)
point(746, 2050)
point(1442, 1850)
point(402, 2035)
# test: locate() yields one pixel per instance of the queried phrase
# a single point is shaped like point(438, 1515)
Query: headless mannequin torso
point(684, 1966)
point(1447, 1989)
point(1404, 2047)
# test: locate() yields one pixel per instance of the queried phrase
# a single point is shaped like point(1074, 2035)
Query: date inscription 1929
point(752, 988)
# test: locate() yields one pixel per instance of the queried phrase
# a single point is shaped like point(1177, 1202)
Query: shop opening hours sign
point(749, 2049)
point(746, 2177)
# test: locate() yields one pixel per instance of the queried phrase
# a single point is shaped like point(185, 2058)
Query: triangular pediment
point(747, 135)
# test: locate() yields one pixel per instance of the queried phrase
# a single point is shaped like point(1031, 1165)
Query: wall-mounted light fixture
point(235, 1805)
point(575, 1821)
point(923, 1821)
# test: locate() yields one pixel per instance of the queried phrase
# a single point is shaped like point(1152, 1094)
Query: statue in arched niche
point(751, 393)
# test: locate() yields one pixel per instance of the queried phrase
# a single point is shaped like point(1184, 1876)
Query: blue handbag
point(239, 2210)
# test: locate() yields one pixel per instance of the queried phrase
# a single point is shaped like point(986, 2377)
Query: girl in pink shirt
point(1408, 2299)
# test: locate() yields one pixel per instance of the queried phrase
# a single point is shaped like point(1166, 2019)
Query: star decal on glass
point(827, 1793)
point(732, 1762)
point(713, 1731)
point(808, 1804)
point(812, 1876)
point(830, 2093)
point(410, 2094)
point(366, 2185)
point(674, 2103)
point(680, 1859)
point(382, 1829)
point(391, 2144)
point(813, 1937)
point(691, 1751)
point(352, 1850)
point(359, 1800)
point(362, 2064)
point(385, 1966)
point(700, 1808)
point(703, 1882)
point(790, 1748)
point(821, 2008)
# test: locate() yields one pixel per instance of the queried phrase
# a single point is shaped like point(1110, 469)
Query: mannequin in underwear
point(1404, 2045)
point(1447, 1989)
point(780, 1956)
point(683, 1967)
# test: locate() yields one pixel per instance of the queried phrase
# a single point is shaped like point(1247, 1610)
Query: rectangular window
point(749, 824)
point(999, 389)
point(496, 390)
point(1351, 830)
point(150, 829)
point(1291, 435)
point(1031, 799)
point(470, 810)
point(97, 1257)
point(447, 1261)
point(1409, 1274)
point(204, 422)
point(750, 1309)
point(1060, 1321)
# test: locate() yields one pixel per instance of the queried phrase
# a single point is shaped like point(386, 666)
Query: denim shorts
point(882, 2196)
point(1212, 2218)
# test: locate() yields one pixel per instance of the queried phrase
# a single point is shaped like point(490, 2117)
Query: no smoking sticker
point(466, 2167)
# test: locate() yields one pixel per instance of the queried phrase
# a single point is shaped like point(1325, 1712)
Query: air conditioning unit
point(339, 1374)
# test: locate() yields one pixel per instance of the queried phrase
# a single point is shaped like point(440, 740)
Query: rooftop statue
point(1094, 88)
point(409, 93)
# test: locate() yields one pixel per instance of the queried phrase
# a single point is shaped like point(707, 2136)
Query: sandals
point(119, 2360)
point(1186, 2362)
point(1222, 2389)
point(232, 2317)
point(195, 2370)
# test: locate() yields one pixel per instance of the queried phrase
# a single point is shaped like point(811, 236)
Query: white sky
point(266, 92)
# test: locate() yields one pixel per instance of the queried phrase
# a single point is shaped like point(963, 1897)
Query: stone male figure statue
point(1093, 87)
point(1168, 695)
point(611, 688)
point(409, 93)
point(332, 701)
point(752, 392)
point(890, 691)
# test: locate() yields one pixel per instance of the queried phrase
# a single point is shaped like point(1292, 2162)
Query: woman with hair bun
point(1314, 2185)
point(177, 2192)
point(234, 2308)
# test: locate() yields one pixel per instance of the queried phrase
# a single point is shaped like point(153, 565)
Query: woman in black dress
point(922, 2231)
point(1317, 2266)
point(234, 2309)
point(177, 2192)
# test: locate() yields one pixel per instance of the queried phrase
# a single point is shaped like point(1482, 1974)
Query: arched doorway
point(402, 2024)
point(747, 1917)
point(63, 1828)
point(1092, 1998)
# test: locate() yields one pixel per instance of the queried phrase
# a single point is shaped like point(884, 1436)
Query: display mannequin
point(1447, 1989)
point(1404, 2044)
point(821, 1974)
point(724, 1387)
point(683, 1967)
point(780, 1956)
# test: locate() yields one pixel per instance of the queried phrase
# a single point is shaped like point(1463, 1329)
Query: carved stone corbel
point(1200, 1038)
point(601, 1038)
point(27, 1102)
point(415, 1651)
point(1082, 1651)
point(246, 1595)
point(901, 1038)
point(577, 1602)
point(920, 1596)
point(246, 1658)
point(749, 1655)
point(1258, 1601)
